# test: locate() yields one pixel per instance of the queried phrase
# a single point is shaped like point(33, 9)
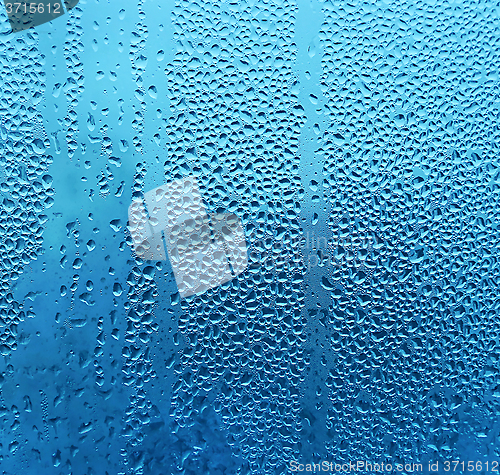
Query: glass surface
point(320, 183)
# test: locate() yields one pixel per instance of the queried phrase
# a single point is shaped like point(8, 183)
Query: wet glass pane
point(254, 237)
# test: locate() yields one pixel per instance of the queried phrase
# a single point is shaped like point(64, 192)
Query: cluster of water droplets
point(25, 185)
point(75, 82)
point(409, 184)
point(376, 341)
point(235, 125)
point(139, 62)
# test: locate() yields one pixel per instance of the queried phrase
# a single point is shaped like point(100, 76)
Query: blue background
point(357, 142)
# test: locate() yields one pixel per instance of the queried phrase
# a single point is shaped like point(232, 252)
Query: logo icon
point(204, 251)
point(30, 13)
